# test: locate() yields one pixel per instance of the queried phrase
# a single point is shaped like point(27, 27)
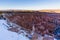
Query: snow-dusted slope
point(8, 35)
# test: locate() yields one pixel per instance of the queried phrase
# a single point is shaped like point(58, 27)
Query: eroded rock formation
point(43, 22)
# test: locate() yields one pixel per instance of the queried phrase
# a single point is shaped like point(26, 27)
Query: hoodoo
point(41, 23)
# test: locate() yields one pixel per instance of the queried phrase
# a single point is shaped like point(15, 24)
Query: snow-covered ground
point(8, 35)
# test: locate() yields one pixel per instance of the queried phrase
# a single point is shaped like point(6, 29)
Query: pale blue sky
point(30, 4)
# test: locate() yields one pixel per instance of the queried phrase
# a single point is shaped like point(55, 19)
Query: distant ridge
point(45, 10)
point(51, 10)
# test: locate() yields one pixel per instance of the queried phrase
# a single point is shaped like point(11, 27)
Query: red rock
point(48, 38)
point(42, 22)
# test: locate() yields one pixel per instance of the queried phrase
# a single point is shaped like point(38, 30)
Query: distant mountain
point(51, 10)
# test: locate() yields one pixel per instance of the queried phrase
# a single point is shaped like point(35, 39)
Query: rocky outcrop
point(43, 22)
point(40, 23)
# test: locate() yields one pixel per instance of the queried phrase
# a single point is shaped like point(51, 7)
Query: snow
point(8, 35)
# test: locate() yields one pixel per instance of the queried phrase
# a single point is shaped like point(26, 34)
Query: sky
point(29, 4)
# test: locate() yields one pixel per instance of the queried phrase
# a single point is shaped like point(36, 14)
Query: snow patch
point(8, 35)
